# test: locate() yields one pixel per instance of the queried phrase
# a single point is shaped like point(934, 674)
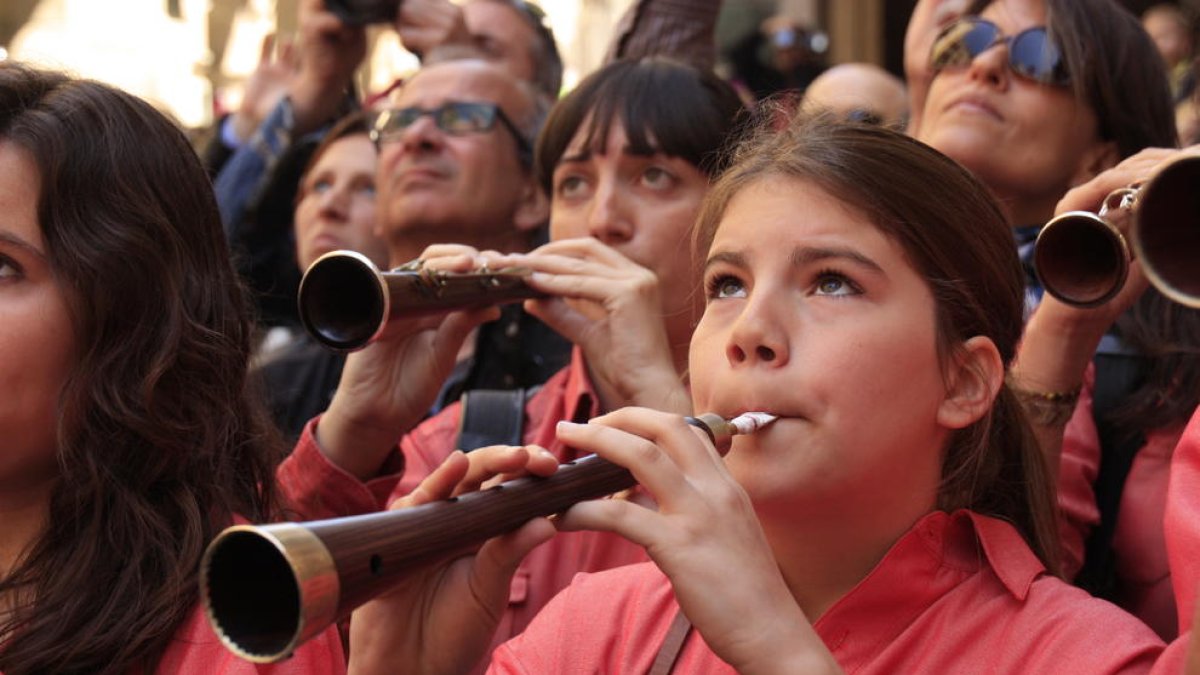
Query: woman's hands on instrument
point(611, 307)
point(704, 528)
point(388, 388)
point(1060, 338)
point(442, 618)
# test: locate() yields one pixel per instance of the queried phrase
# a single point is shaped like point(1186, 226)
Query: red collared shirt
point(1144, 577)
point(318, 489)
point(958, 593)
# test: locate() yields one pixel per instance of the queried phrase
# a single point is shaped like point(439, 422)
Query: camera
point(363, 12)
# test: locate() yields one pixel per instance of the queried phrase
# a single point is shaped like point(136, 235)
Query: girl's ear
point(972, 384)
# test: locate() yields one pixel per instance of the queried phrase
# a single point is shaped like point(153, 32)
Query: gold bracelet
point(1049, 408)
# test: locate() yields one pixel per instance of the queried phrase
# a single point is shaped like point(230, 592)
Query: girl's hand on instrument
point(499, 463)
point(704, 530)
point(441, 618)
point(388, 387)
point(610, 307)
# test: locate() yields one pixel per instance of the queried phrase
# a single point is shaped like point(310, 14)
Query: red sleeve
point(1181, 523)
point(314, 488)
point(426, 447)
point(1078, 466)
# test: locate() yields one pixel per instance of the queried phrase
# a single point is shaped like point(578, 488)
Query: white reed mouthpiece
point(748, 423)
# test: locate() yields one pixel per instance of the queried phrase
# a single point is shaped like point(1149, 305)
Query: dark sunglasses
point(455, 118)
point(1031, 53)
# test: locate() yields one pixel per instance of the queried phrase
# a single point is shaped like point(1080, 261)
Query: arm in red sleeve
point(1079, 464)
point(314, 488)
point(1181, 522)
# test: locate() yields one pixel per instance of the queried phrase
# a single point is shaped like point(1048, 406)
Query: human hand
point(265, 86)
point(389, 386)
point(1137, 169)
point(610, 306)
point(704, 527)
point(440, 619)
point(423, 25)
point(330, 51)
point(1060, 338)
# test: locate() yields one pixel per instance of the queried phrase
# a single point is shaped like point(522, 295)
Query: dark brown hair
point(160, 441)
point(665, 106)
point(961, 244)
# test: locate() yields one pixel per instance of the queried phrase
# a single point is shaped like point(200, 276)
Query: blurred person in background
point(780, 55)
point(860, 92)
point(1173, 34)
point(335, 210)
point(256, 187)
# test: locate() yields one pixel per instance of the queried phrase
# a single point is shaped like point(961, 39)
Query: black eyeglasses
point(455, 118)
point(1031, 53)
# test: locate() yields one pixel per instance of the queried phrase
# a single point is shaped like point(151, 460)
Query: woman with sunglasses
point(1037, 98)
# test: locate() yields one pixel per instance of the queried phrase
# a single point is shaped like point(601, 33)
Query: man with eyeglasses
point(455, 160)
point(255, 185)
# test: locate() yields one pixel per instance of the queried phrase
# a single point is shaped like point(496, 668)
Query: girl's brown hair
point(160, 439)
point(957, 238)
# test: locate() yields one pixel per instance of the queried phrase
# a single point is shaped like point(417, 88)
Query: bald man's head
point(859, 91)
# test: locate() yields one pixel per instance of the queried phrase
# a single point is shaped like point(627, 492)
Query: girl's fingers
point(438, 485)
point(651, 467)
point(636, 523)
point(500, 463)
point(669, 432)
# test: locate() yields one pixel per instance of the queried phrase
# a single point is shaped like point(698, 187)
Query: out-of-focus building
point(191, 56)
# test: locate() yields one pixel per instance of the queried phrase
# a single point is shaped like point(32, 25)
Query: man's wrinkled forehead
point(471, 80)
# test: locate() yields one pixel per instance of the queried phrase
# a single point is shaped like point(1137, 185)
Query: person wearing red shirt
point(898, 516)
point(625, 179)
point(130, 433)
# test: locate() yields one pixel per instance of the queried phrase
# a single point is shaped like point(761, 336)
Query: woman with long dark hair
point(130, 432)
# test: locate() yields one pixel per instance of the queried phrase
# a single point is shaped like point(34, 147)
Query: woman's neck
point(1025, 210)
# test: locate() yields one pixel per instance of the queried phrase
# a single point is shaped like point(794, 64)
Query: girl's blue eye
point(833, 283)
point(725, 286)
